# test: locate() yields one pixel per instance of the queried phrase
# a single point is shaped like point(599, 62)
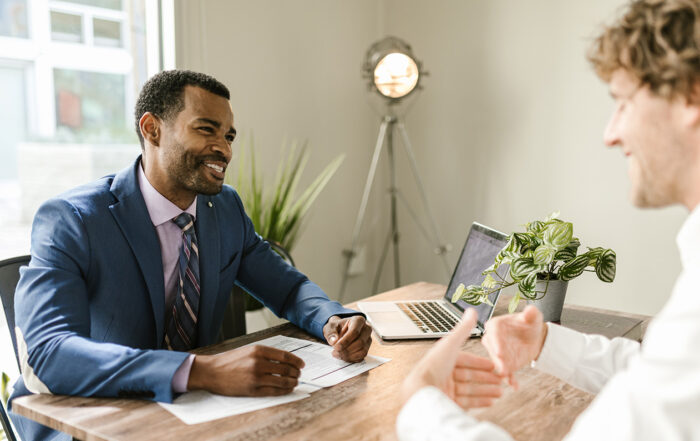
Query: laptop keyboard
point(428, 316)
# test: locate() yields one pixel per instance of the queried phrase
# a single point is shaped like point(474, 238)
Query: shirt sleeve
point(182, 375)
point(585, 361)
point(429, 415)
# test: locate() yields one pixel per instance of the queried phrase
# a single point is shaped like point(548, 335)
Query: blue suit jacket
point(90, 306)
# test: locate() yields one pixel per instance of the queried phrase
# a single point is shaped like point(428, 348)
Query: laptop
point(434, 318)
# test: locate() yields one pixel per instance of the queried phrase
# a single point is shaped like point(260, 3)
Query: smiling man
point(651, 60)
point(131, 272)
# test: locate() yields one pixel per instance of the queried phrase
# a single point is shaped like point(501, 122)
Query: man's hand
point(249, 371)
point(469, 380)
point(350, 337)
point(515, 340)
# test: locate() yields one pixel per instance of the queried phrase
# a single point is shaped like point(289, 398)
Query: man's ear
point(691, 111)
point(150, 126)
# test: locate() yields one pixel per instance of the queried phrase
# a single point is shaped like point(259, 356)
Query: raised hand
point(248, 371)
point(469, 380)
point(514, 340)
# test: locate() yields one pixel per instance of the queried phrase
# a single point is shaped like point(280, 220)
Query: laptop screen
point(480, 250)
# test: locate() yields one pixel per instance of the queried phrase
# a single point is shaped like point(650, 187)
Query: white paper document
point(321, 370)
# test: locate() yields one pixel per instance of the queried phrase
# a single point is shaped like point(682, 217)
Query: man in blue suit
point(132, 271)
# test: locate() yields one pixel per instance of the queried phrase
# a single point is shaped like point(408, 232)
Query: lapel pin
point(210, 204)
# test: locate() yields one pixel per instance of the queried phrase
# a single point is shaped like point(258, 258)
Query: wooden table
point(364, 407)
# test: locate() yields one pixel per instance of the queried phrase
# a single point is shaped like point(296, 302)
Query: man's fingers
point(478, 390)
point(278, 355)
point(473, 402)
point(467, 359)
point(332, 330)
point(476, 376)
point(454, 340)
point(282, 369)
point(531, 314)
point(350, 332)
point(267, 391)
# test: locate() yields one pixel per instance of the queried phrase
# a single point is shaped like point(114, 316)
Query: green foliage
point(277, 212)
point(547, 250)
point(4, 396)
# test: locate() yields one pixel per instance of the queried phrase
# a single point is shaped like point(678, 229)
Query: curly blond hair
point(657, 41)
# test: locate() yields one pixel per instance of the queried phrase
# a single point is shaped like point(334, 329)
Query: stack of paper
point(321, 370)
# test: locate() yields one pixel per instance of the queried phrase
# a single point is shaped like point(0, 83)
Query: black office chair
point(9, 276)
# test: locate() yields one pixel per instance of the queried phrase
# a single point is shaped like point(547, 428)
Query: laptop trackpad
point(392, 323)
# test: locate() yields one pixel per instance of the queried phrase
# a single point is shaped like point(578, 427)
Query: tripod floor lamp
point(394, 73)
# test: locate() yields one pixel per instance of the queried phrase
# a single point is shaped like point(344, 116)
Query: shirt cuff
point(424, 414)
point(561, 352)
point(182, 375)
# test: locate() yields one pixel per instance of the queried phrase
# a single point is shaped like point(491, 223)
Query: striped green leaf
point(535, 227)
point(569, 252)
point(543, 255)
point(593, 255)
point(573, 268)
point(527, 285)
point(525, 241)
point(523, 266)
point(489, 282)
point(458, 293)
point(606, 265)
point(559, 234)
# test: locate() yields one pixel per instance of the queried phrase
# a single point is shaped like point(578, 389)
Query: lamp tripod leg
point(441, 248)
point(350, 254)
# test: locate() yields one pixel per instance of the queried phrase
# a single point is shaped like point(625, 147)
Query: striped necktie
point(181, 334)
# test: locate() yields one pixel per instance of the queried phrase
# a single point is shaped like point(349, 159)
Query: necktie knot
point(184, 220)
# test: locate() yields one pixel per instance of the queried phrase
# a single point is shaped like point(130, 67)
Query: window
point(13, 18)
point(66, 27)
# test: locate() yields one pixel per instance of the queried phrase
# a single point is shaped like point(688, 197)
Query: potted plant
point(278, 214)
point(541, 261)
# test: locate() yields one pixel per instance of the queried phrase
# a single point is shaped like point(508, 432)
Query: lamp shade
point(391, 68)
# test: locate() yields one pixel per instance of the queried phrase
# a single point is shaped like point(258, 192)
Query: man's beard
point(186, 169)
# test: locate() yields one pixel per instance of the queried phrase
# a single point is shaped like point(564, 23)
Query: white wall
point(508, 128)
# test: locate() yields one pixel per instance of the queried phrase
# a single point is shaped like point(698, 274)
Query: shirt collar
point(688, 238)
point(160, 209)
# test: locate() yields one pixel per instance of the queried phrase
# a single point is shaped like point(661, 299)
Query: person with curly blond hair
point(650, 59)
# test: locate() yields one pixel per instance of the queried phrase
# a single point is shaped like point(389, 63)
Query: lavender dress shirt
point(162, 212)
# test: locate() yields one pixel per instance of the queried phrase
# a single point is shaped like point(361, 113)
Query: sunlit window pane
point(109, 4)
point(66, 27)
point(13, 18)
point(90, 107)
point(107, 33)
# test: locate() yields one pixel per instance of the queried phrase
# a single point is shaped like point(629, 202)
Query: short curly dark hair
point(657, 41)
point(162, 95)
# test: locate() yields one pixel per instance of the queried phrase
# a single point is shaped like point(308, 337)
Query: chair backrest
point(5, 421)
point(9, 276)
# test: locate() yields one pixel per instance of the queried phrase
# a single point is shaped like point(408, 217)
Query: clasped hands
point(512, 341)
point(264, 371)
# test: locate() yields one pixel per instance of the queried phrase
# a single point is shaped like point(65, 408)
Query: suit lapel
point(207, 229)
point(131, 215)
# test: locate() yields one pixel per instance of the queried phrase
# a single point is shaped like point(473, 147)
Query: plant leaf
point(458, 293)
point(527, 285)
point(606, 265)
point(569, 252)
point(513, 305)
point(573, 268)
point(543, 255)
point(558, 235)
point(489, 282)
point(594, 254)
point(535, 227)
point(523, 266)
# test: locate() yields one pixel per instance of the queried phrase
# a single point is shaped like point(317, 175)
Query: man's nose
point(610, 135)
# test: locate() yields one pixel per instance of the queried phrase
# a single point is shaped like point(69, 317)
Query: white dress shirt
point(645, 392)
